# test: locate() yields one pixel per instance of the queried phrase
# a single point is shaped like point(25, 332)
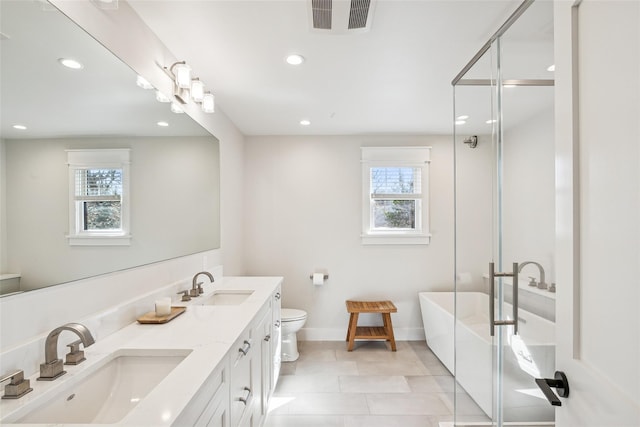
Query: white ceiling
point(393, 79)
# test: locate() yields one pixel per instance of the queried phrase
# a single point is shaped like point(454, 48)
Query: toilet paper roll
point(318, 279)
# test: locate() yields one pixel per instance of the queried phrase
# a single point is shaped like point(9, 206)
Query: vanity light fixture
point(143, 83)
point(20, 127)
point(295, 59)
point(185, 87)
point(305, 122)
point(197, 90)
point(208, 103)
point(71, 63)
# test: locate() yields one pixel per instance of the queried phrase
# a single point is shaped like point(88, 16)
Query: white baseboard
point(339, 334)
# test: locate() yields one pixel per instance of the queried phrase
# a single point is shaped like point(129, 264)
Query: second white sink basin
point(228, 297)
point(106, 395)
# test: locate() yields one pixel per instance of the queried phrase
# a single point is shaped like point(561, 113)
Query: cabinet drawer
point(214, 390)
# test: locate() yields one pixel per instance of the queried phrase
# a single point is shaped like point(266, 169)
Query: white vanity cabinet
point(276, 337)
point(210, 407)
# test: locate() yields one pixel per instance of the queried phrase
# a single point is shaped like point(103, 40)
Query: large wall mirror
point(174, 170)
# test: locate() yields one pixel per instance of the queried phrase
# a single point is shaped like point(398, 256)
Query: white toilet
point(292, 320)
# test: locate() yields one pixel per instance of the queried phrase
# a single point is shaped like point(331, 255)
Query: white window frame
point(115, 158)
point(417, 157)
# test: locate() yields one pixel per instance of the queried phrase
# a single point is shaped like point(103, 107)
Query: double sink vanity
point(214, 365)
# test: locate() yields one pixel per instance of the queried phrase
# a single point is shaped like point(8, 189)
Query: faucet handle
point(75, 355)
point(185, 295)
point(17, 387)
point(532, 281)
point(200, 290)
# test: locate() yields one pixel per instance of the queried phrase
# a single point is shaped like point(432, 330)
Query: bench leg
point(351, 332)
point(388, 327)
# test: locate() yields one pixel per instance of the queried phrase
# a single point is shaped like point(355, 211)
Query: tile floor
point(370, 386)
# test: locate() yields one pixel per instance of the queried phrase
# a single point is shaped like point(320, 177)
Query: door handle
point(559, 382)
point(492, 315)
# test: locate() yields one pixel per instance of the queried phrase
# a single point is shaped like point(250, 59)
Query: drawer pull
point(245, 348)
point(267, 338)
point(246, 399)
point(277, 323)
point(277, 296)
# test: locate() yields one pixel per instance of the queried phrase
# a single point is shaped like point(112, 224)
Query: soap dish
point(152, 318)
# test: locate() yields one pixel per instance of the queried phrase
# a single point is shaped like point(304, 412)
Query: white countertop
point(208, 331)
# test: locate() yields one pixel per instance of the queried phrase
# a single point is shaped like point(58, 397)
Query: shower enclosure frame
point(495, 83)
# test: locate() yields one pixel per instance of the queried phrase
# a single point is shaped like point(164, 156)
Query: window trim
point(112, 158)
point(395, 157)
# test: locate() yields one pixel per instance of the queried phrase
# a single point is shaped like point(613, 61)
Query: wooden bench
point(385, 332)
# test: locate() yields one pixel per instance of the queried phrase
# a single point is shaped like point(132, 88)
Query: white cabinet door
point(597, 52)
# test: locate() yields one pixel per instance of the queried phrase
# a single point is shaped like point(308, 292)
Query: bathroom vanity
point(215, 365)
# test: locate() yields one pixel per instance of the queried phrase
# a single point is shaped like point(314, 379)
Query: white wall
point(529, 191)
point(303, 212)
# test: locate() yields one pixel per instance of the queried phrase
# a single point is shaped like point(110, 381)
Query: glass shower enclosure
point(505, 224)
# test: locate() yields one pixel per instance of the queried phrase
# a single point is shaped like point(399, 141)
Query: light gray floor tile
point(465, 405)
point(431, 384)
point(288, 368)
point(322, 355)
point(326, 368)
point(373, 384)
point(308, 383)
point(329, 403)
point(407, 404)
point(307, 346)
point(395, 368)
point(389, 421)
point(304, 421)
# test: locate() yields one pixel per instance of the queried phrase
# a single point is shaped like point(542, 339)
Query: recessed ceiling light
point(552, 67)
point(295, 59)
point(163, 124)
point(460, 122)
point(305, 122)
point(508, 86)
point(490, 121)
point(71, 63)
point(463, 117)
point(20, 127)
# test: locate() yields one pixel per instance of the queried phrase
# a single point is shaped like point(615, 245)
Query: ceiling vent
point(341, 16)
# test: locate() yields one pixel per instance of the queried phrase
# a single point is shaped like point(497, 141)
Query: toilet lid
point(288, 314)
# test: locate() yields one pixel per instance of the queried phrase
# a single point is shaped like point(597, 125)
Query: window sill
point(106, 240)
point(395, 239)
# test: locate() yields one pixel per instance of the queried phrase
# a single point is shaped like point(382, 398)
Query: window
point(395, 194)
point(99, 197)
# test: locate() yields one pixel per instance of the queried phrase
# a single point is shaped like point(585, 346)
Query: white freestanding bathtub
point(529, 355)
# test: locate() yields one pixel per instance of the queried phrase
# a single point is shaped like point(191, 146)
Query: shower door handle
point(492, 291)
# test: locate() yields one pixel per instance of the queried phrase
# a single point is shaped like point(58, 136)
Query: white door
point(597, 51)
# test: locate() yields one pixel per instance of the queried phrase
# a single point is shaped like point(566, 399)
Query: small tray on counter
point(152, 318)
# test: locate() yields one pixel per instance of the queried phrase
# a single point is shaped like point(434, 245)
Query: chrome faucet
point(52, 366)
point(196, 287)
point(541, 284)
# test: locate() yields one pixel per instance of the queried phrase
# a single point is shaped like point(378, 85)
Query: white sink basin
point(110, 391)
point(228, 297)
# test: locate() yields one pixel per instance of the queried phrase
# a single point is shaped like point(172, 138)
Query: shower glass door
point(505, 226)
